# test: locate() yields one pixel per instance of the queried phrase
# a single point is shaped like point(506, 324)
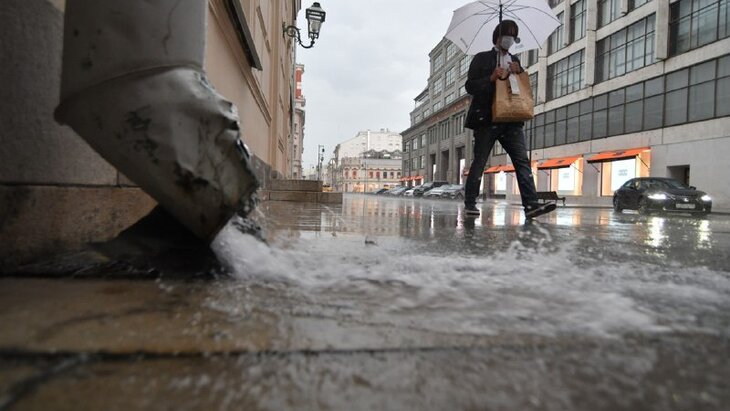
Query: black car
point(418, 191)
point(655, 194)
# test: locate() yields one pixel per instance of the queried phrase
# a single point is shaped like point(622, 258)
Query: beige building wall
point(263, 97)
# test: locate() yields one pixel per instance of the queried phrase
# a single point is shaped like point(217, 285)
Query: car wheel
point(459, 196)
point(616, 206)
point(644, 207)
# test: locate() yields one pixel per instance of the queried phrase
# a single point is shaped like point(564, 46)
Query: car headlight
point(658, 196)
point(706, 198)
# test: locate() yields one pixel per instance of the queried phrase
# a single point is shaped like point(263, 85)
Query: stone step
point(296, 185)
point(301, 196)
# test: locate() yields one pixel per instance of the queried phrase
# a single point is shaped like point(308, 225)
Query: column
point(661, 29)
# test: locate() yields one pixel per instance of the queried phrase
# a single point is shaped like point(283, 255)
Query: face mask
point(507, 42)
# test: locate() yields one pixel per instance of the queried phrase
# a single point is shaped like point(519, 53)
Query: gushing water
point(534, 285)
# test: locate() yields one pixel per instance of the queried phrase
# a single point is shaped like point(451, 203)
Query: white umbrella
point(472, 24)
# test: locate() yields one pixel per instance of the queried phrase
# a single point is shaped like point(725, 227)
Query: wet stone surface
point(386, 303)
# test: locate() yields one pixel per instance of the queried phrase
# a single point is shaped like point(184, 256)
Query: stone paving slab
point(122, 317)
point(608, 375)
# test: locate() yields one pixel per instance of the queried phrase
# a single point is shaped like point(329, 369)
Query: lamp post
point(315, 17)
point(320, 160)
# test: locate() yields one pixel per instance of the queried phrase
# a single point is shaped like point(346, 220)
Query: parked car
point(381, 191)
point(435, 192)
point(409, 192)
point(418, 191)
point(454, 192)
point(655, 194)
point(396, 191)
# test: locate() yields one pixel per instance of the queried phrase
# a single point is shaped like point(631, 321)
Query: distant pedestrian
point(484, 71)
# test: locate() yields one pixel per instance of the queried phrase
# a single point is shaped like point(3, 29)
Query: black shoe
point(535, 210)
point(471, 210)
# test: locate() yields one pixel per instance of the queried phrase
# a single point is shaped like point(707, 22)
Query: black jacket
point(482, 89)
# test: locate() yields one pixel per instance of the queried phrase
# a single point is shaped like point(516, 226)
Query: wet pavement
point(394, 304)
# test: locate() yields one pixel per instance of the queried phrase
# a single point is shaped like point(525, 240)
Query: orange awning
point(496, 169)
point(558, 162)
point(615, 155)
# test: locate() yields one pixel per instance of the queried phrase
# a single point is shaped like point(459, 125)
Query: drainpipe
point(134, 88)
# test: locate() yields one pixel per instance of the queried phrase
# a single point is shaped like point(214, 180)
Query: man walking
point(486, 68)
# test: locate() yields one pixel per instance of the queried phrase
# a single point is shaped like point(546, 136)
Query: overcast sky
point(368, 65)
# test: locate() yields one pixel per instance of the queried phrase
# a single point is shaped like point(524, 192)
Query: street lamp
point(315, 17)
point(320, 160)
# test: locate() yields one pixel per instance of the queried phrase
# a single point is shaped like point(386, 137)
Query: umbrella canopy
point(472, 24)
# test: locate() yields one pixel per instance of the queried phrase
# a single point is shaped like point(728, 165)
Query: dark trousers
point(512, 139)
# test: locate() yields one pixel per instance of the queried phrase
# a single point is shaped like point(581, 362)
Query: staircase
point(303, 191)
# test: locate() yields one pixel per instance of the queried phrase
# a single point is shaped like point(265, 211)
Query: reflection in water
point(656, 232)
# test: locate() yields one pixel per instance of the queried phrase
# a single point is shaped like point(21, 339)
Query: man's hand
point(515, 68)
point(499, 73)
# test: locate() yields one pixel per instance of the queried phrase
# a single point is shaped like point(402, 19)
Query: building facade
point(297, 131)
point(56, 193)
point(623, 88)
point(367, 162)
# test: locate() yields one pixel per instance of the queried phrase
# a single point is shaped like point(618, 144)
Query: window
point(616, 112)
point(550, 128)
point(554, 3)
point(423, 140)
point(675, 100)
point(450, 51)
point(422, 162)
point(694, 23)
point(634, 108)
point(634, 4)
point(586, 123)
point(449, 98)
point(539, 131)
point(555, 41)
point(437, 106)
point(566, 76)
point(702, 91)
point(438, 61)
point(531, 57)
point(600, 116)
point(438, 85)
point(414, 142)
point(578, 20)
point(628, 49)
point(572, 131)
point(608, 11)
point(451, 76)
point(723, 86)
point(464, 65)
point(566, 179)
point(414, 163)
